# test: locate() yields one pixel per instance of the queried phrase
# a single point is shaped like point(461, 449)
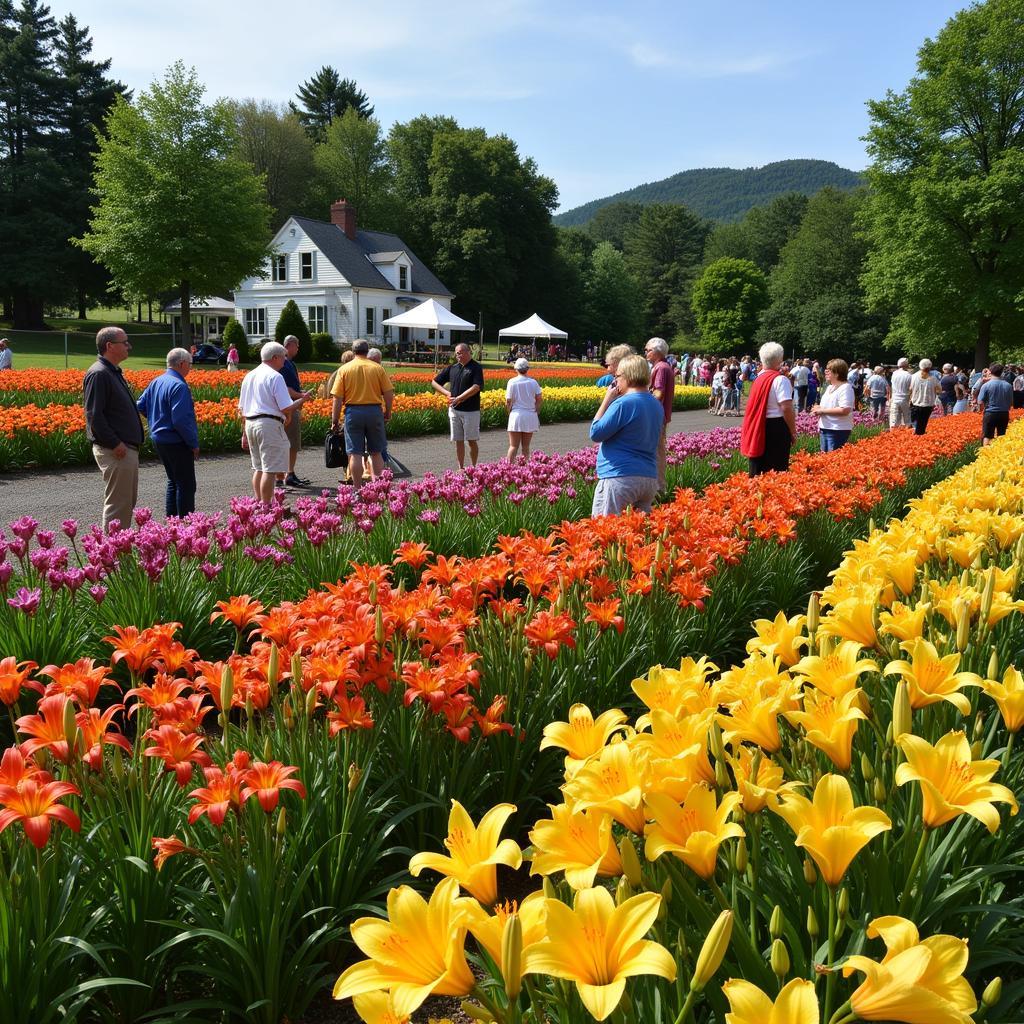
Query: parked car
point(209, 353)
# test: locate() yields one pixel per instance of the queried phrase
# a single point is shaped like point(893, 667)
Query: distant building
point(208, 317)
point(343, 280)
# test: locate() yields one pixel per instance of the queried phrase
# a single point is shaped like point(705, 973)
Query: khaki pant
point(662, 458)
point(899, 413)
point(120, 484)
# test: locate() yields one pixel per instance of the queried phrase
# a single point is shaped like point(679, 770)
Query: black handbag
point(334, 450)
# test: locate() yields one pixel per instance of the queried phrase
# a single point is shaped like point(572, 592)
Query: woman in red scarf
point(769, 424)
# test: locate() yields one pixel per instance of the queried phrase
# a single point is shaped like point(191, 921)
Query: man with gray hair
point(899, 387)
point(6, 356)
point(293, 425)
point(171, 414)
point(663, 387)
point(113, 426)
point(264, 403)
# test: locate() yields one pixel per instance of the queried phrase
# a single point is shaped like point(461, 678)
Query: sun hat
point(521, 364)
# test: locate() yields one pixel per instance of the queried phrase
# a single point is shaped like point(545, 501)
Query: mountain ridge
point(724, 193)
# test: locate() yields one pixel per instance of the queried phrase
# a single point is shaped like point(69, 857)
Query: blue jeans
point(833, 439)
point(180, 466)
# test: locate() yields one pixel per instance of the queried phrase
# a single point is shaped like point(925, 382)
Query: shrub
point(234, 334)
point(291, 322)
point(324, 348)
point(254, 349)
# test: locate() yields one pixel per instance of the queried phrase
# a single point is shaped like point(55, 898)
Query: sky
point(602, 95)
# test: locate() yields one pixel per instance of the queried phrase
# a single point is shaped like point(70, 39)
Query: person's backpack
point(334, 450)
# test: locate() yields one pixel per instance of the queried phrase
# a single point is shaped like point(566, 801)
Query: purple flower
point(26, 600)
point(6, 572)
point(45, 538)
point(429, 515)
point(24, 527)
point(143, 516)
point(98, 592)
point(73, 579)
point(210, 569)
point(70, 528)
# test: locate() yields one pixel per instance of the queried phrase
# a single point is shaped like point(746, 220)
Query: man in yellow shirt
point(363, 389)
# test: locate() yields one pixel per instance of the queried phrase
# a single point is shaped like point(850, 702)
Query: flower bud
point(682, 949)
point(867, 769)
point(715, 742)
point(268, 749)
point(378, 625)
point(721, 775)
point(70, 726)
point(476, 1012)
point(282, 822)
point(372, 590)
point(993, 665)
point(355, 773)
point(250, 708)
point(289, 716)
point(713, 951)
point(227, 690)
point(976, 748)
point(979, 725)
point(311, 697)
point(843, 903)
point(986, 598)
point(879, 791)
point(666, 899)
point(810, 875)
point(962, 612)
point(623, 890)
point(550, 892)
point(812, 924)
point(273, 667)
point(993, 993)
point(631, 863)
point(813, 612)
point(297, 670)
point(742, 857)
point(777, 923)
point(902, 714)
point(512, 955)
point(780, 959)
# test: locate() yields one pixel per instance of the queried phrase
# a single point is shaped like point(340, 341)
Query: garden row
point(64, 387)
point(54, 435)
point(282, 813)
point(818, 824)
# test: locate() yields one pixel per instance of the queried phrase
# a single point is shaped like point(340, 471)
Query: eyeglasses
point(620, 376)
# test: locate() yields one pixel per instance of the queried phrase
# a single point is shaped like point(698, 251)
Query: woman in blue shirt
point(628, 426)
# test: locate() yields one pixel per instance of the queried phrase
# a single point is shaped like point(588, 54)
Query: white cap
point(521, 365)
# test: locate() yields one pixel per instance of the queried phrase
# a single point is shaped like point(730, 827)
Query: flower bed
point(271, 826)
point(788, 818)
point(54, 434)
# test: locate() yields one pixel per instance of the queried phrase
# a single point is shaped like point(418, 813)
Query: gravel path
point(52, 496)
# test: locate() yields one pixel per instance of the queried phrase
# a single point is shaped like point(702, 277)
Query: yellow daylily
point(694, 831)
point(488, 929)
point(677, 691)
point(598, 945)
point(915, 981)
point(951, 783)
point(612, 782)
point(583, 736)
point(417, 952)
point(831, 828)
point(378, 1008)
point(1009, 697)
point(762, 673)
point(853, 617)
point(779, 637)
point(676, 751)
point(580, 843)
point(475, 851)
point(904, 622)
point(760, 789)
point(931, 678)
point(754, 719)
point(965, 549)
point(945, 595)
point(796, 1003)
point(1001, 606)
point(830, 724)
point(837, 672)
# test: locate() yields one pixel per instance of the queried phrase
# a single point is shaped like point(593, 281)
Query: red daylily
point(81, 679)
point(178, 751)
point(94, 725)
point(265, 782)
point(551, 632)
point(14, 677)
point(167, 848)
point(46, 728)
point(240, 611)
point(605, 614)
point(351, 714)
point(34, 804)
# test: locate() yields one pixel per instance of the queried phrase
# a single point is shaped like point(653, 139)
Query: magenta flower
point(26, 600)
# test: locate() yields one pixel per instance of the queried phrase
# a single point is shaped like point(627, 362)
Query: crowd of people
point(630, 426)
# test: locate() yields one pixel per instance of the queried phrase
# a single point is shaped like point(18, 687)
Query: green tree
point(946, 209)
point(176, 206)
point(611, 223)
point(613, 297)
point(352, 163)
point(326, 96)
point(728, 299)
point(761, 234)
point(274, 144)
point(663, 252)
point(234, 334)
point(291, 322)
point(565, 302)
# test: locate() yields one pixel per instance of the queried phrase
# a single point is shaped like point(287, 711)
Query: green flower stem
point(830, 978)
point(687, 1008)
point(915, 868)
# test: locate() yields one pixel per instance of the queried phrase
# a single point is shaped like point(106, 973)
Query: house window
point(306, 266)
point(279, 268)
point(255, 322)
point(403, 278)
point(385, 314)
point(430, 334)
point(317, 319)
point(370, 312)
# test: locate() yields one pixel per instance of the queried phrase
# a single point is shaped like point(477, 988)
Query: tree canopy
point(176, 207)
point(946, 210)
point(326, 96)
point(727, 301)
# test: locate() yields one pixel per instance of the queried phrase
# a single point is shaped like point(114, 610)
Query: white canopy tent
point(532, 327)
point(431, 316)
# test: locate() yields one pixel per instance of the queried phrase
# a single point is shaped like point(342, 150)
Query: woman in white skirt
point(522, 402)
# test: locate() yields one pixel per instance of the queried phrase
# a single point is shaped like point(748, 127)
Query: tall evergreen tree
point(326, 96)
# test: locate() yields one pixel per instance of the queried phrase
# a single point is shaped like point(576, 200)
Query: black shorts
point(993, 424)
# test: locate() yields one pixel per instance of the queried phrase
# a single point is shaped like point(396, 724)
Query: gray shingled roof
point(349, 257)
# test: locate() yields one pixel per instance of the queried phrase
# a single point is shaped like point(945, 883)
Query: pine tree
point(326, 96)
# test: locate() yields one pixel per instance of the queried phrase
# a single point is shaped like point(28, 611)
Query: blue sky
point(602, 95)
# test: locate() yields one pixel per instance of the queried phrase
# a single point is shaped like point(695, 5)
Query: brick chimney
point(343, 214)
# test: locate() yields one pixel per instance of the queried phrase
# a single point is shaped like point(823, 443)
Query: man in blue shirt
point(293, 426)
point(169, 410)
point(995, 400)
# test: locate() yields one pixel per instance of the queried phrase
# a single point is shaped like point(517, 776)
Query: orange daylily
point(551, 632)
point(14, 676)
point(265, 782)
point(34, 804)
point(240, 611)
point(178, 751)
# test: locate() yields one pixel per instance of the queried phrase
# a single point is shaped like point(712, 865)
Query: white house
point(344, 281)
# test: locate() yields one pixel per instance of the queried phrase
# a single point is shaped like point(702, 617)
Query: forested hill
point(725, 193)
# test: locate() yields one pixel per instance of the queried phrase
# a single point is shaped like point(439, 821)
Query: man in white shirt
point(6, 355)
point(799, 376)
point(264, 404)
point(899, 387)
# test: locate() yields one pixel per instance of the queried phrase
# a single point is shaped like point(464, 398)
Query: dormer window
point(306, 266)
point(279, 268)
point(403, 278)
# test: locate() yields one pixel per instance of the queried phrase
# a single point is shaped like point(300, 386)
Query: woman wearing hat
point(522, 402)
